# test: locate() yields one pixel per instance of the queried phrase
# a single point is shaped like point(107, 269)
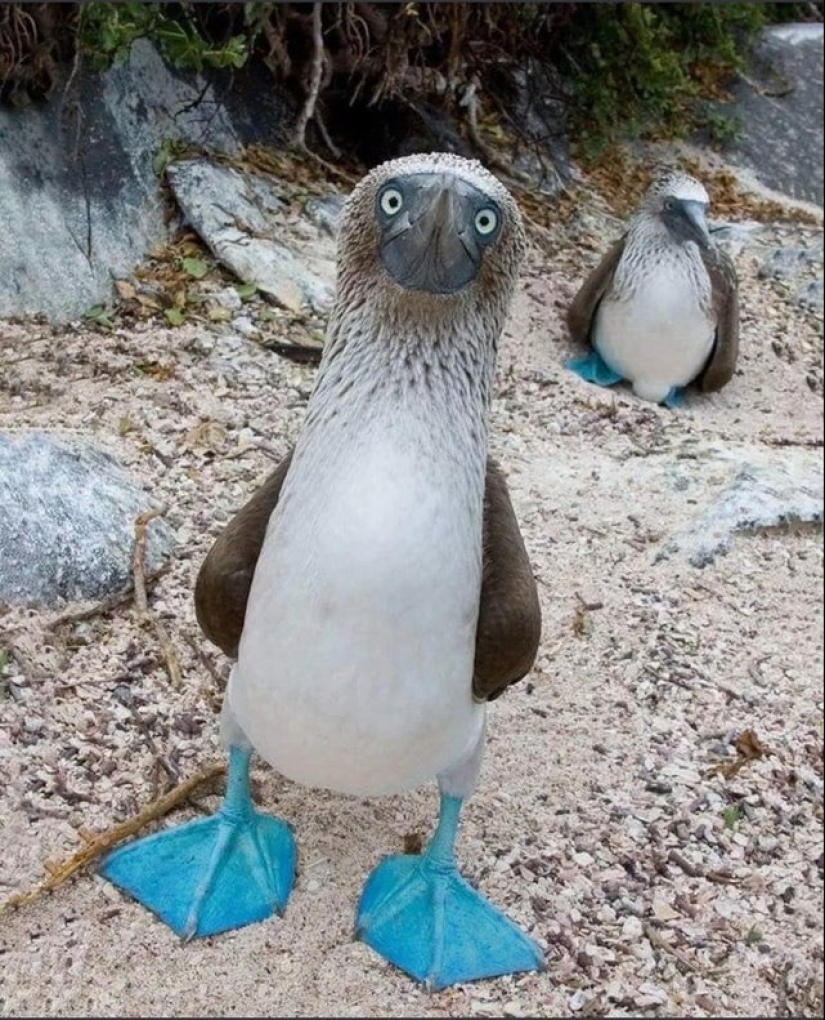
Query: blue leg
point(212, 874)
point(421, 915)
point(675, 398)
point(594, 369)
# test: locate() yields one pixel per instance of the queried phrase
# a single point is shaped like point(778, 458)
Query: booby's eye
point(391, 202)
point(670, 204)
point(486, 221)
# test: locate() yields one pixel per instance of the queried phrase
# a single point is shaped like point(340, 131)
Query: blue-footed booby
point(661, 309)
point(375, 591)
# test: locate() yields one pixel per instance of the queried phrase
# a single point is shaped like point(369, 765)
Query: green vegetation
point(646, 69)
point(106, 31)
point(5, 661)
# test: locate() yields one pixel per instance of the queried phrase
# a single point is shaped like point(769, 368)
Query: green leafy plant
point(170, 150)
point(174, 316)
point(100, 315)
point(106, 32)
point(194, 267)
point(641, 68)
point(721, 128)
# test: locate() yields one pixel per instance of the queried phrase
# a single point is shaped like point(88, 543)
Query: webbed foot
point(421, 915)
point(212, 874)
point(594, 369)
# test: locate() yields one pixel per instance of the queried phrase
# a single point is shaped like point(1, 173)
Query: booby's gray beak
point(686, 219)
point(430, 237)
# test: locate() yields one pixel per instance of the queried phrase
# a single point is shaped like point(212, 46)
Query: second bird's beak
point(688, 220)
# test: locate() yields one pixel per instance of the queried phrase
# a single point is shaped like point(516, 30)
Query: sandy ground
point(655, 887)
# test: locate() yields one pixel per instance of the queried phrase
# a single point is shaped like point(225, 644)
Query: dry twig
point(469, 101)
point(98, 844)
point(104, 605)
point(141, 600)
point(309, 109)
point(748, 748)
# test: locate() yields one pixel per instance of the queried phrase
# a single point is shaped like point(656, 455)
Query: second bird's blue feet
point(594, 369)
point(213, 874)
point(675, 398)
point(421, 915)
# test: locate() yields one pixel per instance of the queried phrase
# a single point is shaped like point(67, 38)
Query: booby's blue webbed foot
point(675, 398)
point(594, 369)
point(213, 874)
point(421, 915)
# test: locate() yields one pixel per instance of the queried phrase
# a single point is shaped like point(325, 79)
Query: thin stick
point(141, 600)
point(104, 605)
point(308, 109)
point(97, 845)
point(470, 103)
point(205, 661)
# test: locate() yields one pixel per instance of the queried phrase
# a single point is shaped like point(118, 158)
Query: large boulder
point(67, 522)
point(240, 216)
point(779, 106)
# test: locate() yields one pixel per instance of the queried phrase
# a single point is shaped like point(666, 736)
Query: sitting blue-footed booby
point(661, 309)
point(375, 591)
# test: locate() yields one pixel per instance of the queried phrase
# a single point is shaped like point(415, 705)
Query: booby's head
point(681, 203)
point(435, 228)
point(430, 231)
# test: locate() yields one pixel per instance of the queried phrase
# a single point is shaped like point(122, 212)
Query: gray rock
point(67, 516)
point(736, 237)
point(785, 263)
point(325, 212)
point(79, 195)
point(538, 102)
point(690, 498)
point(239, 215)
point(228, 298)
point(810, 296)
point(246, 327)
point(767, 491)
point(780, 108)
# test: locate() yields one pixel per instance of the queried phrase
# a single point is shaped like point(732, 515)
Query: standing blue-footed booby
point(661, 309)
point(376, 590)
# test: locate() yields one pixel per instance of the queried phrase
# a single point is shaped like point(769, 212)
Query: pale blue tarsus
point(212, 874)
point(421, 915)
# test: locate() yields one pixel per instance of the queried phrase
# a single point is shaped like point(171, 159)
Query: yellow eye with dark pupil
point(391, 201)
point(486, 222)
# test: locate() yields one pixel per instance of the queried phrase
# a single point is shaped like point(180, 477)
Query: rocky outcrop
point(240, 216)
point(80, 200)
point(779, 107)
point(67, 522)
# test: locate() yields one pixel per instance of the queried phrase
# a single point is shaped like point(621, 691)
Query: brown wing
point(725, 288)
point(509, 620)
point(581, 311)
point(224, 580)
point(509, 625)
